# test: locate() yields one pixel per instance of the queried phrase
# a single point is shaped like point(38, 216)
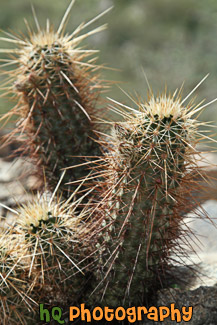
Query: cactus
point(152, 171)
point(50, 260)
point(57, 88)
point(50, 229)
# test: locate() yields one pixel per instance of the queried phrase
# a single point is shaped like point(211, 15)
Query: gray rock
point(203, 301)
point(203, 241)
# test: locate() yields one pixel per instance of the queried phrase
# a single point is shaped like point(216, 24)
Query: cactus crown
point(164, 106)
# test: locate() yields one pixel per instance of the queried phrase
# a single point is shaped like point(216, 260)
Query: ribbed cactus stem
point(57, 88)
point(149, 160)
point(57, 97)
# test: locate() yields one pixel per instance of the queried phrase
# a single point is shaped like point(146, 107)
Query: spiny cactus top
point(57, 87)
point(151, 170)
point(39, 255)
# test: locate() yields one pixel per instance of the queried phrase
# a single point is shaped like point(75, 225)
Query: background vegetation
point(173, 41)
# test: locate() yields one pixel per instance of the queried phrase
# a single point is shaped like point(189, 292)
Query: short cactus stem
point(54, 262)
point(51, 229)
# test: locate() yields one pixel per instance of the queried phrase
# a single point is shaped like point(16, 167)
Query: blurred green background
point(173, 41)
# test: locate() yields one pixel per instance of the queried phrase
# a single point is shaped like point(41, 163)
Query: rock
point(16, 183)
point(203, 300)
point(203, 243)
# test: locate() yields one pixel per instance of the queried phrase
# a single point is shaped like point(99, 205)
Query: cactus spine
point(57, 89)
point(151, 167)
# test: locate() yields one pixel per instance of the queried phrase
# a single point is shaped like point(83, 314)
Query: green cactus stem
point(57, 88)
point(152, 174)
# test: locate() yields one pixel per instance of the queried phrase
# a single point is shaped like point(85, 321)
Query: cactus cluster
point(110, 240)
